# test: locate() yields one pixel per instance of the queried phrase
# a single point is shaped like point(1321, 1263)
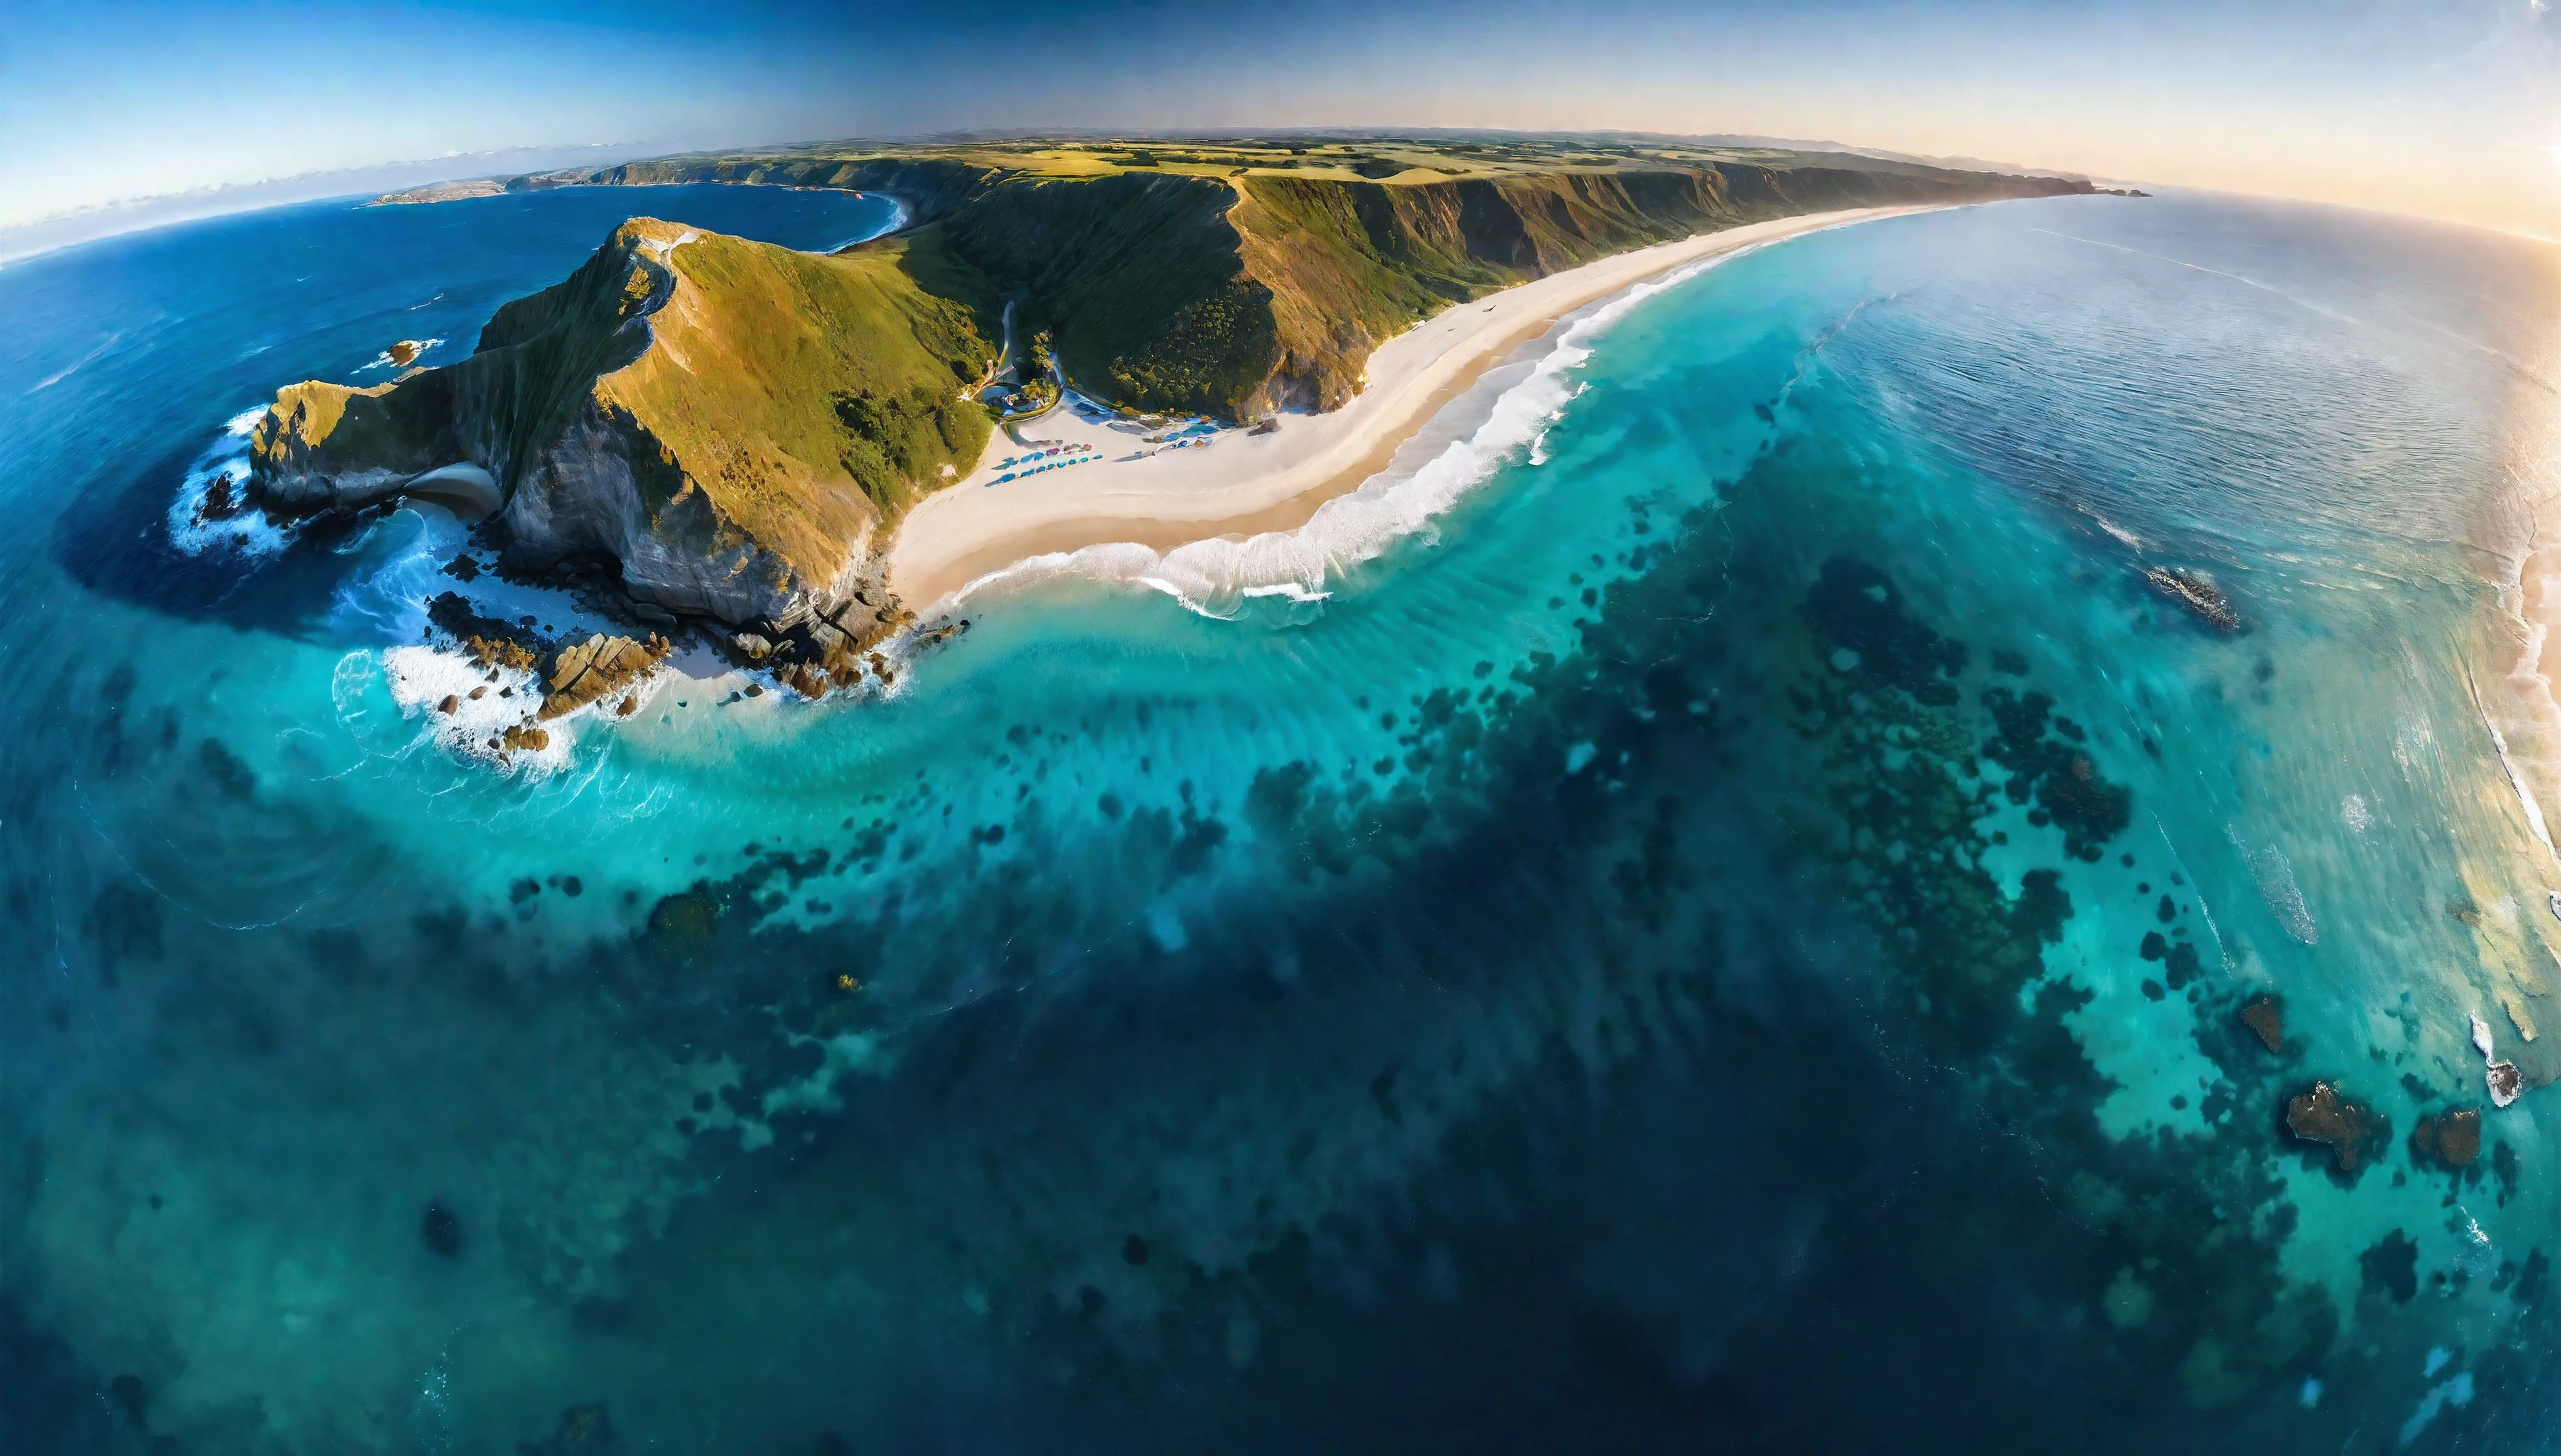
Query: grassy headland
point(733, 419)
point(1238, 275)
point(736, 427)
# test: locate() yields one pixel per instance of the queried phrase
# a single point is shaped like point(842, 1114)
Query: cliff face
point(1349, 265)
point(1238, 296)
point(731, 423)
point(734, 428)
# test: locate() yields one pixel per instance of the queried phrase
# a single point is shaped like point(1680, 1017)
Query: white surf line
point(898, 217)
point(77, 365)
point(1410, 505)
point(2516, 781)
point(2204, 908)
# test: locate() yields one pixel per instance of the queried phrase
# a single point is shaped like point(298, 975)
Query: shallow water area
point(1711, 907)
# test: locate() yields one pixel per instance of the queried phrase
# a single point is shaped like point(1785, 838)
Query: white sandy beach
point(1244, 483)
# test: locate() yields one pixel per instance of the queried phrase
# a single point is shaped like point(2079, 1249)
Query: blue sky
point(2450, 108)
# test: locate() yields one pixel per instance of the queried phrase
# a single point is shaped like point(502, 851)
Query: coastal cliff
point(1237, 291)
point(1240, 297)
point(731, 430)
point(1340, 267)
point(731, 425)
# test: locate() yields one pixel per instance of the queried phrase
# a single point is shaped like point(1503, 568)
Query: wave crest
point(1215, 576)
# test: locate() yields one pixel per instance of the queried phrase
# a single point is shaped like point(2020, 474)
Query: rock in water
point(2504, 1081)
point(2452, 1139)
point(222, 500)
point(2325, 1115)
point(2196, 591)
point(584, 1430)
point(596, 669)
point(2267, 1017)
point(405, 353)
point(491, 643)
point(442, 1231)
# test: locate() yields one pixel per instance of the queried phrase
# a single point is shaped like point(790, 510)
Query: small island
point(727, 437)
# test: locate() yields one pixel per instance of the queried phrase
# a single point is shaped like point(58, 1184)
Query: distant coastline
point(1252, 331)
point(23, 240)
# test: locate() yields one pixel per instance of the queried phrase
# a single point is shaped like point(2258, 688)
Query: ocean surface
point(1708, 909)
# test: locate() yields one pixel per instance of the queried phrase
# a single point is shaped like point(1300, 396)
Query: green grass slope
point(1348, 265)
point(1238, 274)
point(806, 397)
point(1140, 278)
point(776, 404)
point(1235, 295)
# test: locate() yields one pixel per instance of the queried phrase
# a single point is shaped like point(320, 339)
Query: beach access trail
point(1246, 484)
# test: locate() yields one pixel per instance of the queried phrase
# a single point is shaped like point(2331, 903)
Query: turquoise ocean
point(1709, 909)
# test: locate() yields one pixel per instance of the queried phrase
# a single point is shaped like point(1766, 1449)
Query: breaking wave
point(195, 526)
point(1215, 577)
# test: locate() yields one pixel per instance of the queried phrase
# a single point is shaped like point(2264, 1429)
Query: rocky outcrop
point(738, 427)
point(2264, 1016)
point(2196, 591)
point(488, 641)
point(599, 668)
point(731, 425)
point(2450, 1139)
point(2351, 1129)
point(567, 675)
point(2504, 1081)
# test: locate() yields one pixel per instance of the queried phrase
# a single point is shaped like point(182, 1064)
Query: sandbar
point(1242, 483)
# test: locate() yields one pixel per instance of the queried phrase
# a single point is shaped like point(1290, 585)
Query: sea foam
point(226, 460)
point(384, 359)
point(1215, 576)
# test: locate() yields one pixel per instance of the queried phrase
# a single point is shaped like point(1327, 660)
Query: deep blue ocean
point(1727, 932)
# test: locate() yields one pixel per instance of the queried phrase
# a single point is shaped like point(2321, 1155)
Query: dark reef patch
point(2353, 1132)
point(441, 1230)
point(2392, 1266)
point(2450, 1139)
point(1662, 1051)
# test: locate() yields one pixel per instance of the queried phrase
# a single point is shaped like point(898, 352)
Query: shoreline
point(1248, 484)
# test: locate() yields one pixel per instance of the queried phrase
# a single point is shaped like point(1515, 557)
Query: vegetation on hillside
point(776, 410)
point(804, 397)
point(780, 378)
point(1236, 274)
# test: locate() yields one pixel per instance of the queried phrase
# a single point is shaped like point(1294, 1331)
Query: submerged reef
point(2264, 1016)
point(1673, 1042)
point(1912, 785)
point(2448, 1139)
point(2351, 1129)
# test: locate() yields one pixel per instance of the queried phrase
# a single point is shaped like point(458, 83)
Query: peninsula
point(734, 435)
